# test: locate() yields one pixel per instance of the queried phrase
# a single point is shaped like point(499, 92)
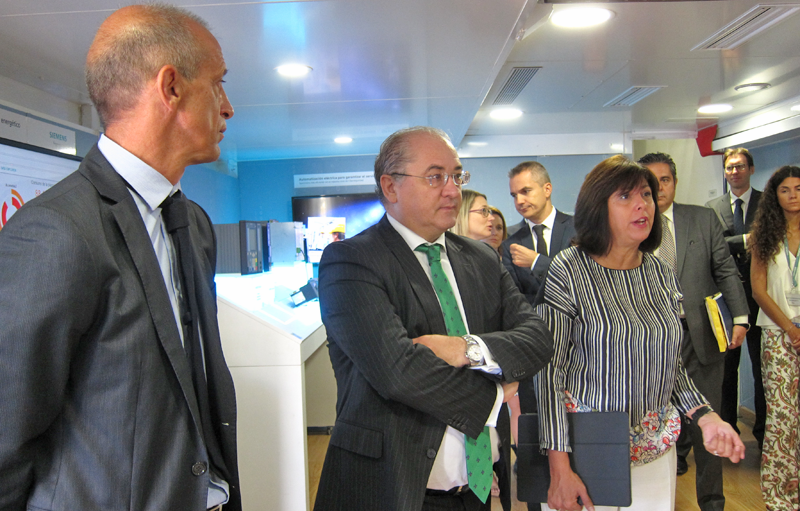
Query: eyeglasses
point(439, 180)
point(484, 211)
point(739, 167)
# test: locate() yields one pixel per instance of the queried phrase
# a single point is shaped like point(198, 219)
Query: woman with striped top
point(612, 307)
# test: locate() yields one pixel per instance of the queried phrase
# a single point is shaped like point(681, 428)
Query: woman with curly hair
point(774, 244)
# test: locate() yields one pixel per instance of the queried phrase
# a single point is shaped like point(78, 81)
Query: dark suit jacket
point(395, 399)
point(705, 267)
point(99, 411)
point(529, 281)
point(722, 207)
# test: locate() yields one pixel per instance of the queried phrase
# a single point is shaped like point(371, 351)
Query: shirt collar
point(548, 222)
point(146, 181)
point(411, 238)
point(669, 213)
point(745, 196)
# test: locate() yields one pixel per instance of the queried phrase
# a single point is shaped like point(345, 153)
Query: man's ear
point(169, 84)
point(389, 187)
point(548, 189)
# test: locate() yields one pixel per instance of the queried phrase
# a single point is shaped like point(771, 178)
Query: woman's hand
point(794, 336)
point(565, 485)
point(719, 438)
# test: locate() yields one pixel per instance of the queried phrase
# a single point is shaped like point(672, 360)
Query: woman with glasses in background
point(475, 219)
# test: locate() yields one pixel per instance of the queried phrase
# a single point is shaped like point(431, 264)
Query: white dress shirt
point(548, 224)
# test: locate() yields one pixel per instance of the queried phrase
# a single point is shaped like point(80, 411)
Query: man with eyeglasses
point(736, 211)
point(543, 232)
point(428, 336)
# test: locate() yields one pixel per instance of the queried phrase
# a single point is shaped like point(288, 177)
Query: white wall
point(39, 101)
point(699, 178)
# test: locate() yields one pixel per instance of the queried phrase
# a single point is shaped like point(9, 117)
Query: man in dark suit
point(693, 244)
point(736, 211)
point(115, 391)
point(543, 232)
point(427, 335)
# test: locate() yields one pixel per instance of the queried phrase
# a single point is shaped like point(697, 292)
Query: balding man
point(427, 335)
point(115, 391)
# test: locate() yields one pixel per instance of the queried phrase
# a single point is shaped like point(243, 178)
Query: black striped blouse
point(617, 342)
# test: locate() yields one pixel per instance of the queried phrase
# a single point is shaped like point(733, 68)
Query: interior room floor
point(742, 490)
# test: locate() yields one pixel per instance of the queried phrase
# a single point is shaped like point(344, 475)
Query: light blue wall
point(218, 194)
point(266, 188)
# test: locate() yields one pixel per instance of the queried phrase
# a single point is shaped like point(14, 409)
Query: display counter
point(266, 342)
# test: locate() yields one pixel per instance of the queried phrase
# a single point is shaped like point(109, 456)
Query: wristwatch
point(474, 353)
point(699, 413)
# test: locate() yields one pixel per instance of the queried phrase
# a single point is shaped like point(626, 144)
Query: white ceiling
point(379, 65)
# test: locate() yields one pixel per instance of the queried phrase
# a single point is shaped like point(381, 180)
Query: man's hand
point(509, 390)
point(737, 337)
point(452, 350)
point(719, 438)
point(521, 256)
point(565, 485)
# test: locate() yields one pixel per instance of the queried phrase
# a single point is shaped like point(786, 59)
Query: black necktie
point(738, 217)
point(541, 244)
point(175, 212)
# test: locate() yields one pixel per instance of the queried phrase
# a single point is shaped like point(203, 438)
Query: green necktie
point(478, 451)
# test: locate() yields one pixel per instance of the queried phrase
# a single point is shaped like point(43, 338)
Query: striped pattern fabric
point(617, 342)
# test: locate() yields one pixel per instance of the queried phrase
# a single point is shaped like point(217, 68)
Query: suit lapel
point(558, 233)
point(123, 209)
point(464, 272)
point(752, 207)
point(524, 235)
point(681, 236)
point(726, 212)
point(420, 285)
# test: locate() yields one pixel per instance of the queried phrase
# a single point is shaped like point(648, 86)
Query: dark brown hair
point(769, 227)
point(612, 175)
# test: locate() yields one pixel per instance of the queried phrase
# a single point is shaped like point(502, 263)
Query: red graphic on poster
point(16, 203)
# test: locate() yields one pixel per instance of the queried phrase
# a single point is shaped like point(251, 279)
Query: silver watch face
point(474, 353)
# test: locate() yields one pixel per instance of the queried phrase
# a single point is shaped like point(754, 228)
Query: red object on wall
point(704, 138)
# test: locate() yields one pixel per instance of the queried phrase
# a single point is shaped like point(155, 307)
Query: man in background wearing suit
point(736, 211)
point(543, 232)
point(693, 244)
point(428, 336)
point(115, 391)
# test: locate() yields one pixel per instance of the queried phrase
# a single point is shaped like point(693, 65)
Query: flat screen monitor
point(329, 218)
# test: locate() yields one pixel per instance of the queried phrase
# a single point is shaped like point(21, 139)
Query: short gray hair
point(394, 154)
point(131, 56)
point(650, 158)
point(537, 170)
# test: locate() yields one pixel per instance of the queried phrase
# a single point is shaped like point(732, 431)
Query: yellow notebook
point(721, 320)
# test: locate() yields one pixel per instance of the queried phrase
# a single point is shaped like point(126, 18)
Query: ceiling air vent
point(633, 95)
point(520, 76)
point(749, 24)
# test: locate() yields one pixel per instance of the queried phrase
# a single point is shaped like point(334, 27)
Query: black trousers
point(466, 501)
point(708, 379)
point(729, 410)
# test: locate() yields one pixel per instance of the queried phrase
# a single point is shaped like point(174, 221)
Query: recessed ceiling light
point(505, 113)
point(579, 17)
point(795, 108)
point(293, 70)
point(751, 87)
point(477, 143)
point(715, 108)
point(342, 140)
point(617, 147)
